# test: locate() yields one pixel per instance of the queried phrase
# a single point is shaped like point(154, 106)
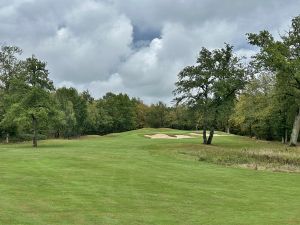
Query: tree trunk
point(285, 136)
point(228, 130)
point(204, 135)
point(227, 127)
point(7, 138)
point(211, 135)
point(34, 126)
point(295, 131)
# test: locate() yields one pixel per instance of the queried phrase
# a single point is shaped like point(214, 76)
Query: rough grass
point(128, 179)
point(245, 152)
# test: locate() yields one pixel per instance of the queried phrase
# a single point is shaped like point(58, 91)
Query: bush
point(23, 137)
point(28, 137)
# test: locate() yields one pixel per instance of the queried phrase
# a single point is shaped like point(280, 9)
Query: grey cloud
point(154, 14)
point(81, 40)
point(133, 46)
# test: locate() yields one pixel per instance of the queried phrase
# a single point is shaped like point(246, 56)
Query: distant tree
point(105, 121)
point(118, 112)
point(224, 113)
point(282, 57)
point(157, 115)
point(254, 108)
point(210, 84)
point(141, 111)
point(92, 118)
point(8, 127)
point(87, 96)
point(34, 103)
point(182, 117)
point(10, 65)
point(70, 120)
point(70, 98)
point(10, 68)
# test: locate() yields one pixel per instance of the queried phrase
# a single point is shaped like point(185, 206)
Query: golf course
point(149, 112)
point(127, 178)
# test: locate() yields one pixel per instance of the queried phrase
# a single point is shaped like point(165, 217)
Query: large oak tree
point(210, 84)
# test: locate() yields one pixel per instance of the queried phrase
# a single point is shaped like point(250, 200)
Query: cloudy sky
point(133, 46)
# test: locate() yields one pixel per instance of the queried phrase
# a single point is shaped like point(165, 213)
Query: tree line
point(32, 108)
point(259, 97)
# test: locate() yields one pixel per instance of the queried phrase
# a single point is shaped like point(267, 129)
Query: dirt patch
point(165, 136)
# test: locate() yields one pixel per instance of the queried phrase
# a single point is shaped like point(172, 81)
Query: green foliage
point(141, 111)
point(70, 120)
point(93, 118)
point(157, 115)
point(255, 107)
point(75, 109)
point(210, 94)
point(282, 57)
point(211, 84)
point(36, 74)
point(26, 97)
point(119, 112)
point(183, 118)
point(10, 65)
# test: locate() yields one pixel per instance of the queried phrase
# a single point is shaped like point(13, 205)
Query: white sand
point(197, 134)
point(165, 136)
point(183, 136)
point(180, 136)
point(160, 136)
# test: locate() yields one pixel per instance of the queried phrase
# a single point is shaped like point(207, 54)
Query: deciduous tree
point(211, 83)
point(282, 57)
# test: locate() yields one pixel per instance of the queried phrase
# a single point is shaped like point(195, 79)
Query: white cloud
point(99, 87)
point(89, 44)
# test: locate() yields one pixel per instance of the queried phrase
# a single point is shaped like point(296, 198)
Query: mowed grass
point(129, 179)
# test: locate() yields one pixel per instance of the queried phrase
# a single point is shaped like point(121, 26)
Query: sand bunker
point(197, 134)
point(165, 136)
point(160, 136)
point(183, 136)
point(180, 136)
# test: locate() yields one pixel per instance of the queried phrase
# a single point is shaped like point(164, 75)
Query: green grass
point(128, 179)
